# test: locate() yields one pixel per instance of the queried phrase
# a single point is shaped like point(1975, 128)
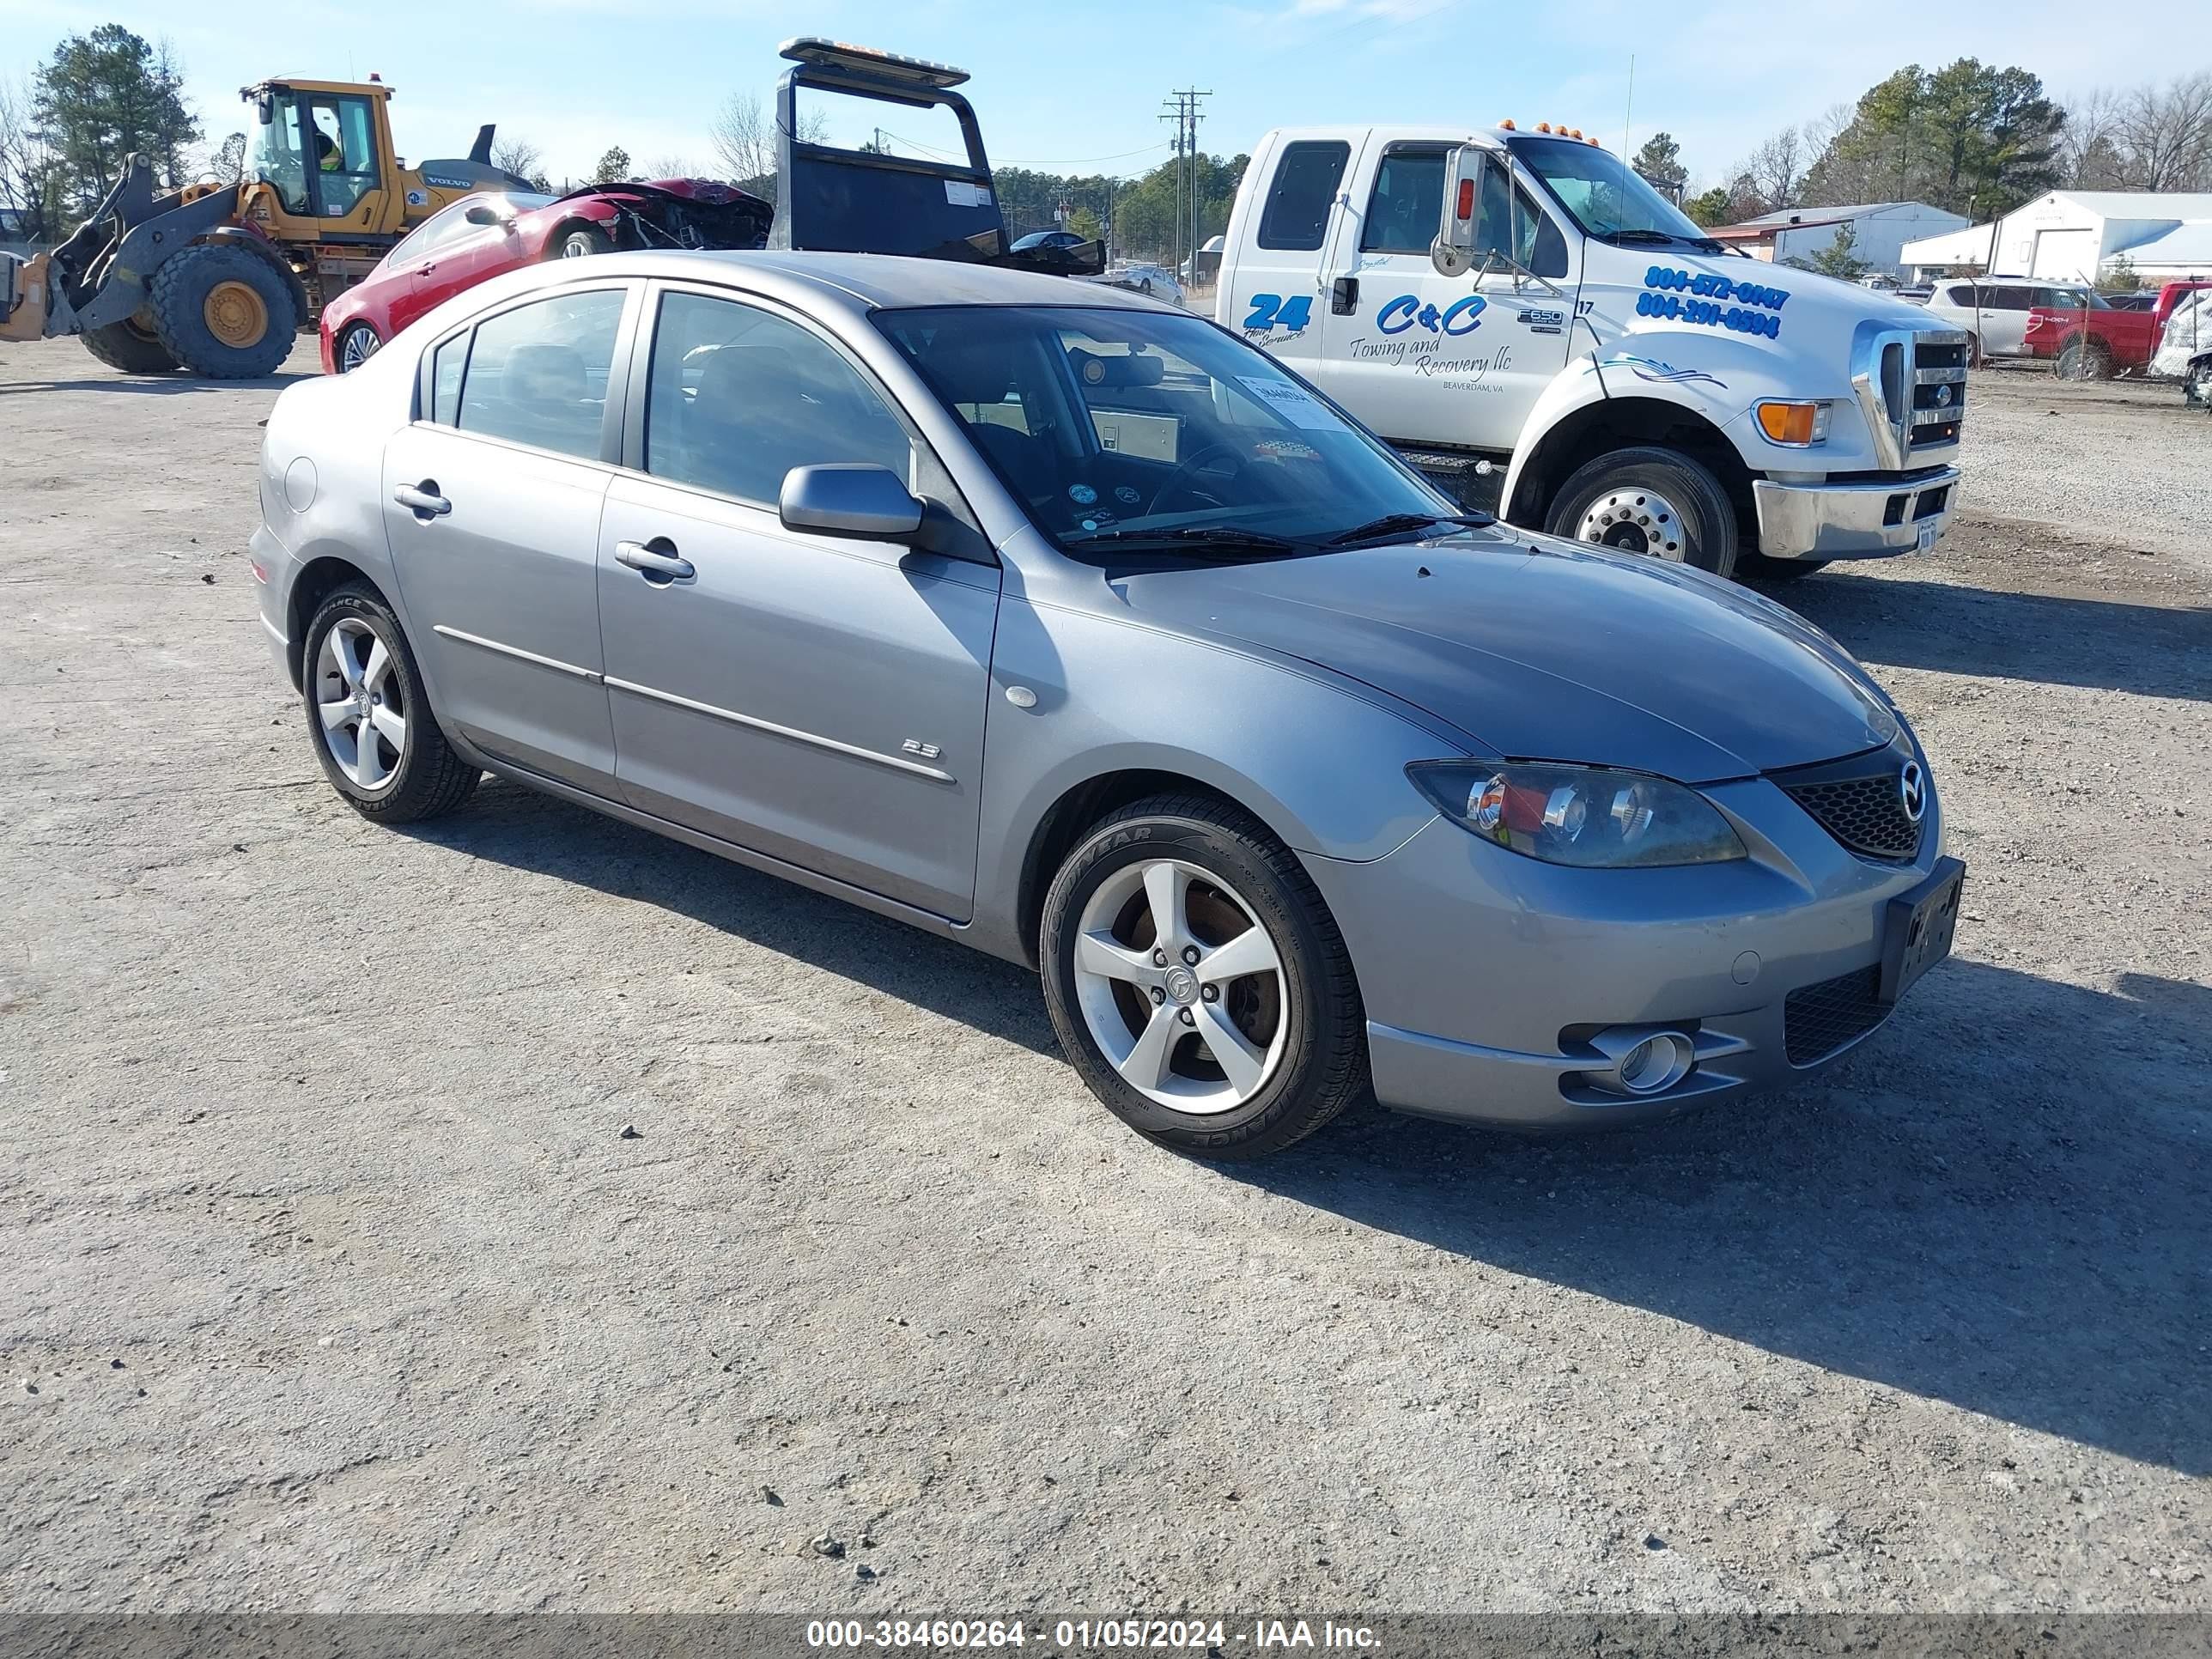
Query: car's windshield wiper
point(1644, 236)
point(1397, 523)
point(1212, 537)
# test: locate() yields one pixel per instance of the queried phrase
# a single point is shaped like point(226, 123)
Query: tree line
point(1971, 138)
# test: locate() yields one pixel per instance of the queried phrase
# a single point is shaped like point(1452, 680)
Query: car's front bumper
point(1484, 975)
point(1862, 520)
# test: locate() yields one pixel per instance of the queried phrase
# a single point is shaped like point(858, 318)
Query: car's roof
point(879, 281)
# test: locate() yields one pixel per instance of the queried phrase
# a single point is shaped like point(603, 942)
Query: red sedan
point(480, 236)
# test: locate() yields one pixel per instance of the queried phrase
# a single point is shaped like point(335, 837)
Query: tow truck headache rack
point(850, 201)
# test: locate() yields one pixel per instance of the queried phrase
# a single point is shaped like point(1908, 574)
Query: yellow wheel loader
point(218, 279)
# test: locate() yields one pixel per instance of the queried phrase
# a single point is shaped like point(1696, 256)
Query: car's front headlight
point(1580, 815)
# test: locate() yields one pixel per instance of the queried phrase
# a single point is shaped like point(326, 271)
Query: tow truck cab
point(1547, 337)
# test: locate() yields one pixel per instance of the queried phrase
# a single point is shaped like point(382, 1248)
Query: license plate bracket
point(1925, 541)
point(1918, 927)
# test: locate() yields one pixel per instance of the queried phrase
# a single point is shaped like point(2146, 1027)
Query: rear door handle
point(423, 500)
point(657, 563)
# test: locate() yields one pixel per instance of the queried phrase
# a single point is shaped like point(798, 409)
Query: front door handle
point(657, 562)
point(423, 500)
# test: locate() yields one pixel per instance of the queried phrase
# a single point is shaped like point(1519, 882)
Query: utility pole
point(1182, 108)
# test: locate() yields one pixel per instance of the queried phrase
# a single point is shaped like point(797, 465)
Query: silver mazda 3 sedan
point(1068, 625)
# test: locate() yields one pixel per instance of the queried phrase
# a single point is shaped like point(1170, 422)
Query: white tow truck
point(1548, 337)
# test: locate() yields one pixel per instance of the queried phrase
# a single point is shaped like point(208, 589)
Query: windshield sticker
point(1293, 402)
point(1650, 368)
point(1705, 312)
point(1082, 494)
point(1127, 495)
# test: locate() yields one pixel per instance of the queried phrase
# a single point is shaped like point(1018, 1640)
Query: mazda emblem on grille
point(1912, 790)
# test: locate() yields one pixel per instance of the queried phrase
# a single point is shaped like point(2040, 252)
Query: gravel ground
point(332, 1282)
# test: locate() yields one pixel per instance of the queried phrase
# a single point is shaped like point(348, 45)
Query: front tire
point(369, 716)
point(131, 346)
point(1197, 982)
point(1649, 501)
point(583, 241)
point(354, 346)
point(224, 312)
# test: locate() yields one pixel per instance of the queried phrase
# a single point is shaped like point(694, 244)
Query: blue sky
point(1066, 85)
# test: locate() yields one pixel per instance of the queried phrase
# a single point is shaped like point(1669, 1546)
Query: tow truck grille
point(1937, 383)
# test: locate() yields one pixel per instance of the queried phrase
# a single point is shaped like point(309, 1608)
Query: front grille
point(1818, 1019)
point(1867, 814)
point(1939, 393)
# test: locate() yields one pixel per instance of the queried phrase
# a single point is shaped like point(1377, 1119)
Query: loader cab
point(324, 151)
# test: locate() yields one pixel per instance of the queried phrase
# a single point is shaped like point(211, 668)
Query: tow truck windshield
point(1140, 432)
point(1606, 197)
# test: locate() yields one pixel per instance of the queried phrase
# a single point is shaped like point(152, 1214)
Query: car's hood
point(1542, 649)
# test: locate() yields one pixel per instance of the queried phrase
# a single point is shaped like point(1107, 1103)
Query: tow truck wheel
point(1652, 501)
point(224, 312)
point(130, 345)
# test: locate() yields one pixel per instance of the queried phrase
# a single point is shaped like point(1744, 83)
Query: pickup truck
point(1547, 337)
point(2094, 343)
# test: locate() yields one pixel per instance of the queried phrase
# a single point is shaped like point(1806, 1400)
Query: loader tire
point(126, 346)
point(224, 312)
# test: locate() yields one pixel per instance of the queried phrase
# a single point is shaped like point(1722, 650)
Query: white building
point(1880, 232)
point(2076, 235)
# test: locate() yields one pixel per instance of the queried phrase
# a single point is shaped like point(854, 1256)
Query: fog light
point(1645, 1060)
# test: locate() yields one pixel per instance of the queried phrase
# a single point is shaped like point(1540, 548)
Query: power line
point(1182, 108)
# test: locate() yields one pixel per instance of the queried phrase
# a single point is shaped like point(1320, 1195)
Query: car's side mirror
point(859, 500)
point(483, 213)
point(1453, 252)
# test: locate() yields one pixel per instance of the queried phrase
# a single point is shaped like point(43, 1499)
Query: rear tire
point(1288, 1002)
point(2085, 362)
point(224, 312)
point(369, 716)
point(1654, 502)
point(582, 242)
point(127, 346)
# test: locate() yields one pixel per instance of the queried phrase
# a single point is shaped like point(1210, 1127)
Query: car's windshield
point(1603, 194)
point(1115, 428)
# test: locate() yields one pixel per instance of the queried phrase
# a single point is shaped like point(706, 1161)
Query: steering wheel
point(1184, 473)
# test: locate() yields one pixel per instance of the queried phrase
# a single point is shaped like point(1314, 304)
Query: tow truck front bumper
point(1862, 519)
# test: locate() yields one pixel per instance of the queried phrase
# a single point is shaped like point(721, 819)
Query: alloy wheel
point(1180, 986)
point(362, 703)
point(1634, 521)
point(357, 347)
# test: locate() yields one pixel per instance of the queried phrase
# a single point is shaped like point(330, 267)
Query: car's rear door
point(816, 699)
point(491, 501)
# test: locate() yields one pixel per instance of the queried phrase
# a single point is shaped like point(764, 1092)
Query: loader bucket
point(24, 302)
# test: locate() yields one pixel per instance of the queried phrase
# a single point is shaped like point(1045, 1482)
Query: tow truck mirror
point(1453, 252)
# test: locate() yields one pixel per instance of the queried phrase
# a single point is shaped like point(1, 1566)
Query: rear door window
point(538, 374)
point(1304, 188)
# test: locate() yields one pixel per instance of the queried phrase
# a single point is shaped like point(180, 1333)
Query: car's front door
point(492, 499)
point(812, 698)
